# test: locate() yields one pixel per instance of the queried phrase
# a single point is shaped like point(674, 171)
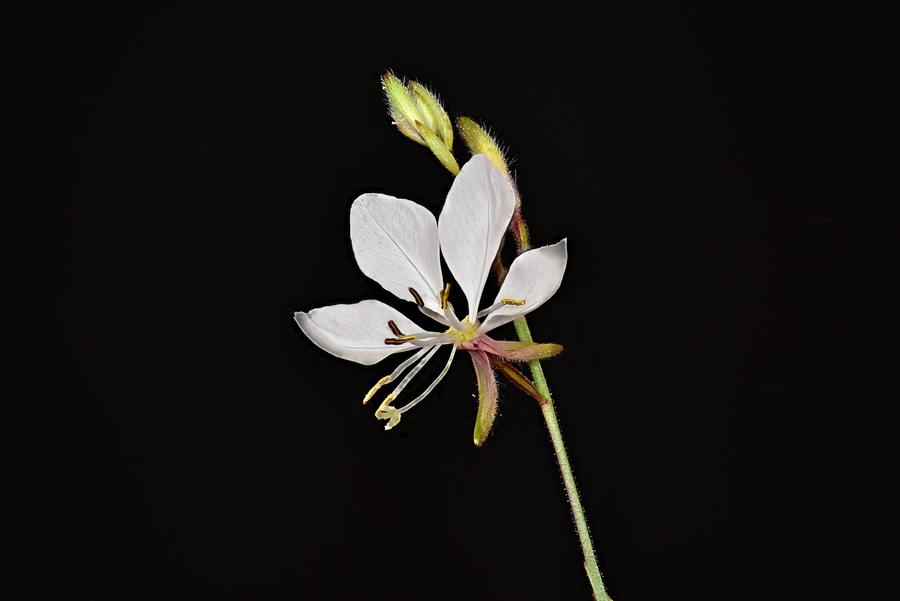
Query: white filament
point(402, 367)
point(416, 400)
point(415, 370)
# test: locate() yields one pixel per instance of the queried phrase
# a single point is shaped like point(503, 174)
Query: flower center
point(469, 331)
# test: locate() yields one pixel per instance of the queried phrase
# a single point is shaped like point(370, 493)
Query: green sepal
point(425, 109)
point(518, 378)
point(487, 396)
point(438, 148)
point(436, 118)
point(528, 351)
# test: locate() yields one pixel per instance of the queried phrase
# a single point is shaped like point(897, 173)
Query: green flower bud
point(481, 142)
point(420, 117)
point(403, 108)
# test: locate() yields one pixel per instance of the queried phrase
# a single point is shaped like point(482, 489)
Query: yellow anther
point(445, 294)
point(512, 301)
point(394, 328)
point(399, 340)
point(416, 296)
point(375, 388)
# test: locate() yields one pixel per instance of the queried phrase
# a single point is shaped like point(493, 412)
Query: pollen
point(375, 388)
point(416, 296)
point(394, 328)
point(399, 340)
point(444, 294)
point(512, 301)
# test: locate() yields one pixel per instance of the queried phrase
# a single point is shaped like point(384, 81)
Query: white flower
point(397, 244)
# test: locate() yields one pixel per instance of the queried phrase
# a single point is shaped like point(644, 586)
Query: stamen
point(502, 303)
point(395, 374)
point(375, 388)
point(414, 371)
point(394, 328)
point(416, 400)
point(489, 310)
point(431, 339)
point(400, 340)
point(402, 367)
point(444, 294)
point(453, 320)
point(416, 296)
point(422, 336)
point(434, 315)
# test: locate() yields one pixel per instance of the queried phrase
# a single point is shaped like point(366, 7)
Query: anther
point(399, 340)
point(512, 301)
point(394, 328)
point(375, 388)
point(416, 296)
point(445, 294)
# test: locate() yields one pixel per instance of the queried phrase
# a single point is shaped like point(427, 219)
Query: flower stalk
point(481, 142)
point(584, 536)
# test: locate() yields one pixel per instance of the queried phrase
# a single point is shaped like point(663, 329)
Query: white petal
point(395, 242)
point(356, 332)
point(533, 277)
point(476, 215)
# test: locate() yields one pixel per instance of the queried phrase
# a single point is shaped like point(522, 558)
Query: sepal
point(438, 148)
point(518, 378)
point(487, 396)
point(527, 351)
point(435, 116)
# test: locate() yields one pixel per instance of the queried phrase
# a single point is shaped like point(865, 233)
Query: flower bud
point(481, 142)
point(402, 108)
point(420, 117)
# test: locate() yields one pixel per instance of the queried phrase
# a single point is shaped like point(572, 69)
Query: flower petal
point(475, 217)
point(533, 277)
point(396, 243)
point(487, 395)
point(356, 332)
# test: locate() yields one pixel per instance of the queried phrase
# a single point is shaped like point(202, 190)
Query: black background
point(179, 184)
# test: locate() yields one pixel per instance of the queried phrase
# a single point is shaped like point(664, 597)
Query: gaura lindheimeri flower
point(398, 243)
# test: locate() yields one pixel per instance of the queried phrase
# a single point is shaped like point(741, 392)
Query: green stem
point(590, 562)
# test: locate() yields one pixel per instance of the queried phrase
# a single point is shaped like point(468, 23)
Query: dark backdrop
point(179, 184)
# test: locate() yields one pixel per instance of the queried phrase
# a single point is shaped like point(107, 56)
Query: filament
point(502, 303)
point(440, 377)
point(414, 371)
point(402, 367)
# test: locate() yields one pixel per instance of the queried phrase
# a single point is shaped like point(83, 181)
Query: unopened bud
point(481, 142)
point(420, 117)
point(403, 108)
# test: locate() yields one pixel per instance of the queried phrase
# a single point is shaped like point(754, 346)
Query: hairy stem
point(590, 561)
